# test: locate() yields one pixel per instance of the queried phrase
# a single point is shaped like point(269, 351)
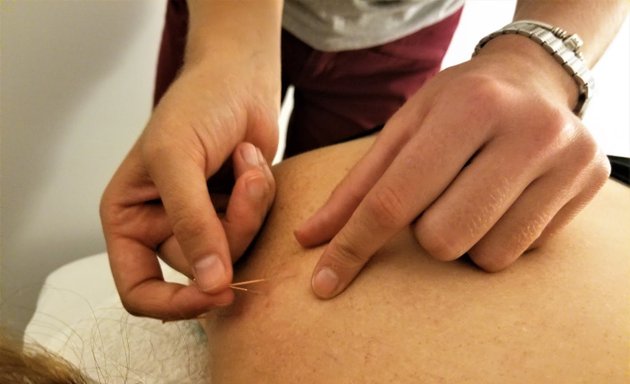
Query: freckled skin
point(560, 314)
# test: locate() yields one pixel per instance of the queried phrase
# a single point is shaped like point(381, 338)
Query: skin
point(226, 98)
point(561, 314)
point(509, 109)
point(504, 163)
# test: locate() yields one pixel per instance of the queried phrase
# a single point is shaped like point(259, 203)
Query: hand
point(242, 212)
point(161, 191)
point(486, 159)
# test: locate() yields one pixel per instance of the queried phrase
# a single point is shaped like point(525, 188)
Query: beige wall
point(76, 80)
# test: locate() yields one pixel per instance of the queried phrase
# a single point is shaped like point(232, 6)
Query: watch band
point(564, 47)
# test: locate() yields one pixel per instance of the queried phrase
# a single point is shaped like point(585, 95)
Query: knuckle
point(351, 194)
point(597, 177)
point(595, 174)
point(386, 207)
point(550, 134)
point(188, 229)
point(435, 240)
point(344, 253)
point(491, 261)
point(530, 230)
point(586, 152)
point(108, 207)
point(483, 97)
point(131, 307)
point(485, 90)
point(493, 255)
point(163, 148)
point(155, 149)
point(601, 170)
point(552, 129)
point(555, 124)
point(105, 209)
point(522, 234)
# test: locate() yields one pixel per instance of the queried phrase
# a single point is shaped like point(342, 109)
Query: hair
point(32, 364)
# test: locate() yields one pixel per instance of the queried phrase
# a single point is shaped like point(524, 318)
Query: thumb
point(181, 183)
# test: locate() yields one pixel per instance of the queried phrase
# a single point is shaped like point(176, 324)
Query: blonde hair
point(34, 365)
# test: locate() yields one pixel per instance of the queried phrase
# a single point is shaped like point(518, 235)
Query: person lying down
point(560, 314)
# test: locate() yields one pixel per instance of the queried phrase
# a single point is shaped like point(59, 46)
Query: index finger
point(133, 229)
point(181, 181)
point(415, 178)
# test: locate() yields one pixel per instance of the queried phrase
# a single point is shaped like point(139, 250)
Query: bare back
point(560, 314)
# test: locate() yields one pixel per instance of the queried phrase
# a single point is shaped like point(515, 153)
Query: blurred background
point(76, 80)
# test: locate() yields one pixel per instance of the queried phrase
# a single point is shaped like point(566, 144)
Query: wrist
point(523, 59)
point(245, 29)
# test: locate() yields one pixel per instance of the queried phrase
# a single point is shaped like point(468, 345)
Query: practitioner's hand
point(161, 188)
point(486, 159)
point(242, 211)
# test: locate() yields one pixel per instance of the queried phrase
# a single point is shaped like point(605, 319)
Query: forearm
point(596, 22)
point(236, 41)
point(249, 29)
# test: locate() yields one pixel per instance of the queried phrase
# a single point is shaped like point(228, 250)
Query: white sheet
point(80, 317)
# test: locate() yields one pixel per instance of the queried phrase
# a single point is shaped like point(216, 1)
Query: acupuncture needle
point(239, 285)
point(236, 286)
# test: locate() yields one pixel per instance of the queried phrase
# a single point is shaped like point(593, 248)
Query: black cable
point(620, 168)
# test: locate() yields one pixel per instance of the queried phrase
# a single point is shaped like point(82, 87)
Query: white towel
point(87, 325)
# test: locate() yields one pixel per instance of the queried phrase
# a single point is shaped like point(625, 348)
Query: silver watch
point(565, 49)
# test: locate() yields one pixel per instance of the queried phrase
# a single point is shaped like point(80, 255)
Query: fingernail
point(209, 273)
point(325, 283)
point(255, 188)
point(250, 154)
